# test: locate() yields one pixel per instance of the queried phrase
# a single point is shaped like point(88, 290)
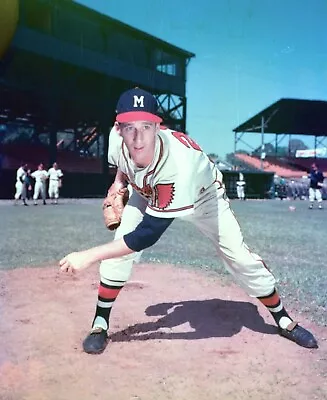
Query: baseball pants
point(20, 190)
point(240, 192)
point(215, 219)
point(315, 194)
point(39, 188)
point(53, 189)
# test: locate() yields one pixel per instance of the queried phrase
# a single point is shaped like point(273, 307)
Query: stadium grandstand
point(286, 117)
point(62, 69)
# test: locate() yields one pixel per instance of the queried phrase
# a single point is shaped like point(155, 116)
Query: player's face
point(140, 139)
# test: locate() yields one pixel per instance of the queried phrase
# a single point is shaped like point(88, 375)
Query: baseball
point(292, 208)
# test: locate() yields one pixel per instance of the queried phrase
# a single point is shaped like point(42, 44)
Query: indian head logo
point(163, 195)
point(138, 101)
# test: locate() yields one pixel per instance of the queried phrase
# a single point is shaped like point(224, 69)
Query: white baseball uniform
point(240, 186)
point(54, 177)
point(19, 186)
point(40, 177)
point(182, 182)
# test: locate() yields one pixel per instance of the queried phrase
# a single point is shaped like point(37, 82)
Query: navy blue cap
point(137, 105)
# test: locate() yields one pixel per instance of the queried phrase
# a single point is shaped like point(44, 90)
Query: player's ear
point(117, 127)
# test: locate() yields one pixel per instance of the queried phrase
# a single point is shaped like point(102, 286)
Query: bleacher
point(69, 161)
point(272, 164)
point(283, 166)
point(306, 163)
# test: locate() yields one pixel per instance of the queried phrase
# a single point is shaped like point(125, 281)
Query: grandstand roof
point(290, 116)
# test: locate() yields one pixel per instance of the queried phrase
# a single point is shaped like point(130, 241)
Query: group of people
point(310, 187)
point(26, 179)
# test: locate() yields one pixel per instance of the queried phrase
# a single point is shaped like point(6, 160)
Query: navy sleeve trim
point(147, 233)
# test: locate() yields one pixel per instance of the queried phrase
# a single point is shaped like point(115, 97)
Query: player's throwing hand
point(74, 261)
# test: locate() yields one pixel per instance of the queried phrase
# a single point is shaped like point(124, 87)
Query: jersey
point(179, 173)
point(316, 177)
point(40, 175)
point(20, 175)
point(55, 174)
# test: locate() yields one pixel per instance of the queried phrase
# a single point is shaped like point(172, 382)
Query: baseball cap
point(137, 105)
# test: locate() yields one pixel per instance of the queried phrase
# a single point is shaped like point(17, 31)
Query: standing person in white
point(240, 186)
point(20, 184)
point(171, 178)
point(40, 176)
point(55, 174)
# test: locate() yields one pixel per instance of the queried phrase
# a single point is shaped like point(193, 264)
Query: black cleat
point(299, 335)
point(96, 341)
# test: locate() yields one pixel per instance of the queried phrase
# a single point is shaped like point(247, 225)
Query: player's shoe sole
point(96, 341)
point(300, 336)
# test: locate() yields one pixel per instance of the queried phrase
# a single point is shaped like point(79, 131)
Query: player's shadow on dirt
point(204, 318)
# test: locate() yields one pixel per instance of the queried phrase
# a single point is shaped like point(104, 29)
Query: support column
point(262, 141)
point(53, 142)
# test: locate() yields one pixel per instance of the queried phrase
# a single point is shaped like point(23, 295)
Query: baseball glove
point(113, 207)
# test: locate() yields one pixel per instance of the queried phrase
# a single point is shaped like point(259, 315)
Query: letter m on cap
point(138, 101)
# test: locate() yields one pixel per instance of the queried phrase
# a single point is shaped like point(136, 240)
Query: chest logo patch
point(164, 195)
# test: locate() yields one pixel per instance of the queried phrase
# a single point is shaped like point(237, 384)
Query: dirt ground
point(175, 334)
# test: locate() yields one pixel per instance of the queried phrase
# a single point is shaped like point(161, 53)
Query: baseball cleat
point(96, 341)
point(299, 335)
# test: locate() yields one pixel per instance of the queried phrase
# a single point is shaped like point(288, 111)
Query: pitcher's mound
point(175, 334)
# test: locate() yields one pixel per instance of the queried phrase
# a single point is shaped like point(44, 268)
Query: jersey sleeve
point(114, 148)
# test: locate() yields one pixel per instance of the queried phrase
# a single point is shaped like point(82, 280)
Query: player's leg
point(24, 194)
point(311, 197)
point(216, 220)
point(56, 192)
point(37, 189)
point(19, 188)
point(242, 193)
point(51, 191)
point(319, 198)
point(113, 275)
point(43, 192)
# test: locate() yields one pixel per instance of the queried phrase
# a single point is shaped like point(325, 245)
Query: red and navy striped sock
point(107, 294)
point(275, 306)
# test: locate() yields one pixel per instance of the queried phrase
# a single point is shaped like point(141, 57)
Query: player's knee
point(118, 269)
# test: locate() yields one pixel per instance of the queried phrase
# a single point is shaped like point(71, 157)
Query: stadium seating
point(271, 165)
point(14, 154)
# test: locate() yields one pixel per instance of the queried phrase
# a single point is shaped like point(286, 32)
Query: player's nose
point(138, 136)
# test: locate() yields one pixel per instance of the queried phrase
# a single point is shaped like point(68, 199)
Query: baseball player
point(40, 176)
point(240, 186)
point(20, 184)
point(316, 184)
point(171, 178)
point(55, 174)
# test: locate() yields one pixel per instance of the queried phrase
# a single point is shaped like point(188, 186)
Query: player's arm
point(119, 183)
point(147, 233)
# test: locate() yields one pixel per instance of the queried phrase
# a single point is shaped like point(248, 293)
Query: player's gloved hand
point(75, 261)
point(113, 206)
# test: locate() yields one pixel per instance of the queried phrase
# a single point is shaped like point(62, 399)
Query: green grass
point(292, 243)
